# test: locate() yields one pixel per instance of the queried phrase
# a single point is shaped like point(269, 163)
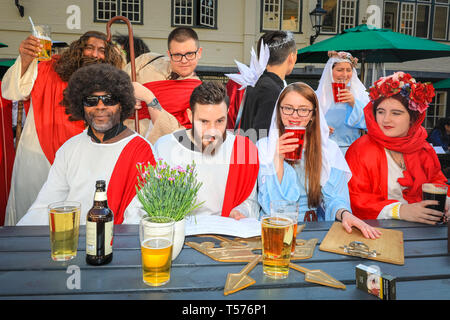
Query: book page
point(244, 228)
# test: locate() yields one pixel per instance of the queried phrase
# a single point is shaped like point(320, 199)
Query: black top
point(259, 104)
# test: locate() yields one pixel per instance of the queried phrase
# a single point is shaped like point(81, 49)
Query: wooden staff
point(19, 122)
point(133, 67)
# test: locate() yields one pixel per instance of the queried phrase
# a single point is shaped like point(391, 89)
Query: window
point(421, 18)
point(440, 25)
point(104, 10)
point(194, 13)
point(281, 15)
point(340, 15)
point(436, 110)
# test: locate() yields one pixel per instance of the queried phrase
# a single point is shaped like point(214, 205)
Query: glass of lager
point(156, 237)
point(277, 237)
point(42, 32)
point(435, 191)
point(64, 223)
point(287, 208)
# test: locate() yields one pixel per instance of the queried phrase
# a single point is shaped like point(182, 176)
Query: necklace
point(400, 162)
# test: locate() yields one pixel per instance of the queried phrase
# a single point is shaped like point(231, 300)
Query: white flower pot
point(178, 238)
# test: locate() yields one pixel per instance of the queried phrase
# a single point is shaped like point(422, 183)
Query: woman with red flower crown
point(390, 163)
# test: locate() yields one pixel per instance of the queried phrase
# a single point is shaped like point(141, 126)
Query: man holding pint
point(102, 96)
point(47, 126)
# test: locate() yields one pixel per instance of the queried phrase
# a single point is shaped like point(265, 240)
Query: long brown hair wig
point(72, 59)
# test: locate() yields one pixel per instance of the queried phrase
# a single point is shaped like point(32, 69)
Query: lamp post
point(316, 20)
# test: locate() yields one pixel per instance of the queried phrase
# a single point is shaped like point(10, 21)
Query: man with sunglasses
point(172, 79)
point(46, 127)
point(103, 97)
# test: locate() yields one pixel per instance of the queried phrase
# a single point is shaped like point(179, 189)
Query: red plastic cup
point(337, 87)
point(299, 133)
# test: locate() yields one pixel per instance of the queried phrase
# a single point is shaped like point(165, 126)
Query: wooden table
point(27, 271)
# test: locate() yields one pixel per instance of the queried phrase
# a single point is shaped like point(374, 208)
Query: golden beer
point(277, 236)
point(46, 51)
point(156, 261)
point(64, 222)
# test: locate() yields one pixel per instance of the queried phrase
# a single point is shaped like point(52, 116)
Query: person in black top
point(260, 100)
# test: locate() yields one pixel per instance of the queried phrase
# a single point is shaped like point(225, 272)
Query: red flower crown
point(418, 94)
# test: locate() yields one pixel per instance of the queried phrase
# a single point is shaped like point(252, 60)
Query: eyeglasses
point(177, 57)
point(302, 112)
point(107, 99)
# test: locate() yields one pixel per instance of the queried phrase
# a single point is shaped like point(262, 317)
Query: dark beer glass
point(435, 191)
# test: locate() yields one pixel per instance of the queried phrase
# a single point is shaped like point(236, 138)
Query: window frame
point(338, 18)
point(195, 16)
point(281, 12)
point(433, 105)
point(446, 25)
point(433, 4)
point(119, 12)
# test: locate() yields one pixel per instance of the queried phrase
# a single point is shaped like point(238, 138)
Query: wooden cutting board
point(389, 247)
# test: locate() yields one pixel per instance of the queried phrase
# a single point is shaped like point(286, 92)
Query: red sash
point(122, 185)
point(7, 153)
point(173, 95)
point(242, 175)
point(52, 123)
point(235, 95)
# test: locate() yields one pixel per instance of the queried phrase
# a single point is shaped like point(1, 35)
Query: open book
point(244, 228)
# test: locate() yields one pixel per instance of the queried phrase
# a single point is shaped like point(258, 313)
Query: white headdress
point(324, 91)
point(331, 154)
point(248, 76)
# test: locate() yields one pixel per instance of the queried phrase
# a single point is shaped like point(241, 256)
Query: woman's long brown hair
point(313, 150)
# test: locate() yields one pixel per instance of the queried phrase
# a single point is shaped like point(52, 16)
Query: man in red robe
point(226, 165)
point(102, 96)
point(47, 126)
point(7, 153)
point(172, 79)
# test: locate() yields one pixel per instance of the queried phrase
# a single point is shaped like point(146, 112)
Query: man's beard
point(209, 142)
point(87, 61)
point(103, 127)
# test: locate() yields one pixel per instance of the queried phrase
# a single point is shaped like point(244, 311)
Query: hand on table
point(349, 221)
point(235, 214)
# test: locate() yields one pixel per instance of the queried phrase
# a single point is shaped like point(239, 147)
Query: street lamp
point(316, 20)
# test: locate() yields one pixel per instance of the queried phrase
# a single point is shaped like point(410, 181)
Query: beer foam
point(431, 188)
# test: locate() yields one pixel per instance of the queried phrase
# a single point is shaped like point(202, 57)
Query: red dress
point(366, 158)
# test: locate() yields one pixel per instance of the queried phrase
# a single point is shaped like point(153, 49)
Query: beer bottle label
point(100, 196)
point(108, 237)
point(91, 238)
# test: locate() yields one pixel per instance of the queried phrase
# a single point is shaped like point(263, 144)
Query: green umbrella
point(3, 45)
point(371, 44)
point(443, 84)
point(7, 62)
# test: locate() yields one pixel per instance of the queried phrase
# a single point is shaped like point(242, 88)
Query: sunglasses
point(107, 99)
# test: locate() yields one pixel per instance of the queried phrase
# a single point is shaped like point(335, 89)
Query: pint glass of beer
point(156, 237)
point(289, 209)
point(277, 236)
point(42, 31)
point(64, 223)
point(299, 133)
point(435, 191)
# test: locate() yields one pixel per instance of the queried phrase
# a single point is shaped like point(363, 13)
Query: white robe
point(78, 164)
point(31, 166)
point(212, 171)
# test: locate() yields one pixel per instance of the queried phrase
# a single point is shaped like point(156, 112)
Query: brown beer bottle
point(99, 228)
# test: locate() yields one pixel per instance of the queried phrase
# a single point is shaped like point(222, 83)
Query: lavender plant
point(166, 191)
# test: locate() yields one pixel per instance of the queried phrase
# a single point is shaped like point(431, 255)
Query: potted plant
point(168, 192)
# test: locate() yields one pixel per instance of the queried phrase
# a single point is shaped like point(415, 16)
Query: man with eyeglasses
point(46, 127)
point(103, 97)
point(172, 79)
